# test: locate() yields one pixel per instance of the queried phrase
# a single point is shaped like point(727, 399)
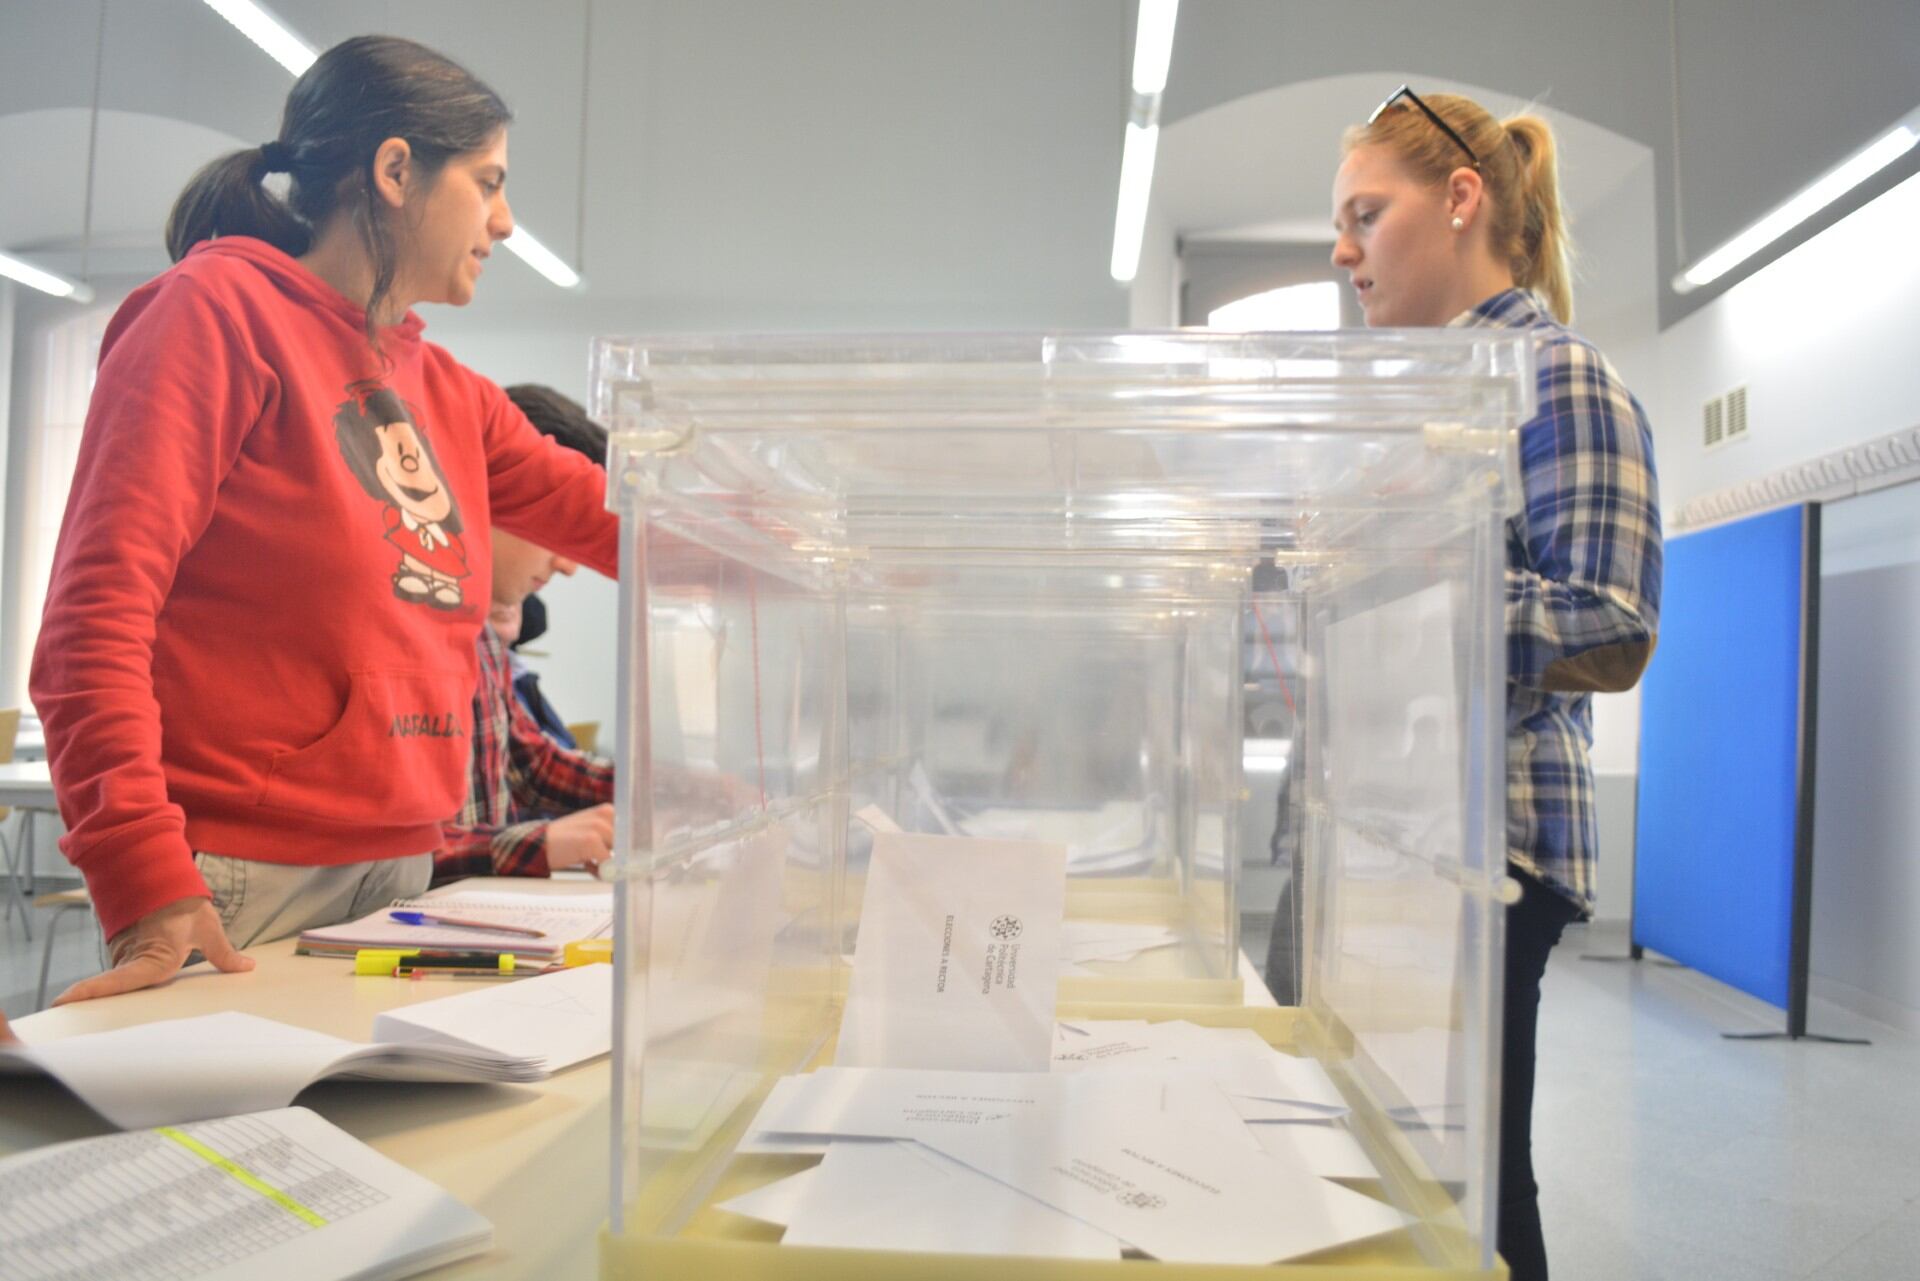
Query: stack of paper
point(191, 1069)
point(279, 1194)
point(1082, 1164)
point(942, 1129)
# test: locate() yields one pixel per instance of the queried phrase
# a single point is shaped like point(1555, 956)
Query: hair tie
point(275, 157)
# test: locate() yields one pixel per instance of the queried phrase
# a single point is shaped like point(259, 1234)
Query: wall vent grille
point(1713, 422)
point(1736, 413)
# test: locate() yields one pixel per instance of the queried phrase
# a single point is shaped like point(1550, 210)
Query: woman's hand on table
point(152, 950)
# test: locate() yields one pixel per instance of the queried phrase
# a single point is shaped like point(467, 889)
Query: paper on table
point(1172, 1191)
point(901, 1196)
point(958, 956)
point(218, 1064)
point(315, 1205)
point(559, 1019)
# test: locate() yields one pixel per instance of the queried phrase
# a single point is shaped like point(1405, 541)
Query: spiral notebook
point(560, 920)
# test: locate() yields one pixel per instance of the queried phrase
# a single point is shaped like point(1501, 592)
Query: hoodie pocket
point(397, 756)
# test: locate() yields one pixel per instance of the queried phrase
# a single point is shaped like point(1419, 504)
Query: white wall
point(1824, 341)
point(1866, 884)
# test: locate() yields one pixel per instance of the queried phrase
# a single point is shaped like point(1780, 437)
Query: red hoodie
point(259, 634)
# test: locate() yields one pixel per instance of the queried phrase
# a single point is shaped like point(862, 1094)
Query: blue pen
point(463, 923)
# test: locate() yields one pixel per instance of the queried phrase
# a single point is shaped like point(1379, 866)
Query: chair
point(17, 894)
point(585, 734)
point(62, 902)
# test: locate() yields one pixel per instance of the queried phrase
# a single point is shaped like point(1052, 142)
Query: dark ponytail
point(357, 95)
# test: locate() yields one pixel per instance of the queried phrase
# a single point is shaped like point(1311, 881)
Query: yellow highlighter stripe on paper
point(240, 1172)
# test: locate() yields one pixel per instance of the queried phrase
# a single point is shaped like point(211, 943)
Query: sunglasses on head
point(1430, 113)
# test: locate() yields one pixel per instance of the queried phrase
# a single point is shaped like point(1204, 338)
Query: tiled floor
point(1665, 1153)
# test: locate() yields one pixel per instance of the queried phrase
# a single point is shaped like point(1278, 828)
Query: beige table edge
point(534, 1159)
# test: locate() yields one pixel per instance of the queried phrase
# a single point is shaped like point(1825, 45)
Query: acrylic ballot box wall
point(1020, 587)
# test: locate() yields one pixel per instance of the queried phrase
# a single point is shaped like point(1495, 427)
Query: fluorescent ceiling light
point(45, 281)
point(1152, 52)
point(279, 40)
point(1822, 192)
point(1153, 45)
point(1136, 183)
point(541, 258)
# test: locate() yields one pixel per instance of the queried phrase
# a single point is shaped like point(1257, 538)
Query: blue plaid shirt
point(1583, 588)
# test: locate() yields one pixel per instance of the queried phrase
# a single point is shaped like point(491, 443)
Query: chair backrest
point(9, 730)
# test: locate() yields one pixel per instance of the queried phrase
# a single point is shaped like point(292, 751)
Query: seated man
point(526, 681)
point(520, 778)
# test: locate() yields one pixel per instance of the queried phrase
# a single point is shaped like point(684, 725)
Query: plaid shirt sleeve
point(483, 839)
point(546, 778)
point(1583, 580)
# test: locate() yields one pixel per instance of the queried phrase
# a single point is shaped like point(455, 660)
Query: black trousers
point(1534, 925)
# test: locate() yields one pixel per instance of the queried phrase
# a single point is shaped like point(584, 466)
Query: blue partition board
point(1720, 712)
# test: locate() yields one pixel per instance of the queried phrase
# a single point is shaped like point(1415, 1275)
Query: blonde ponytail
point(1541, 248)
point(1521, 176)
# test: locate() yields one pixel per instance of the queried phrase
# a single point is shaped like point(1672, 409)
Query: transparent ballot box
point(1219, 613)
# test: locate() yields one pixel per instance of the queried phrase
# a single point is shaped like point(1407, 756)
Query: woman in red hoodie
point(258, 648)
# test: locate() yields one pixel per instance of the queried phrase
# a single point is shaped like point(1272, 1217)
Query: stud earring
point(1459, 224)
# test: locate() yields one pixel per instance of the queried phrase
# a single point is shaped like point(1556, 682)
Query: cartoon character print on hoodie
point(389, 454)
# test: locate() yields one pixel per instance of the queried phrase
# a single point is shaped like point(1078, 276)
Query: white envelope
point(901, 1196)
point(885, 1103)
point(1326, 1148)
point(1169, 1190)
point(959, 953)
point(774, 1202)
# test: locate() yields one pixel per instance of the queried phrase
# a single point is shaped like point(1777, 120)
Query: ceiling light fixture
point(281, 42)
point(45, 281)
point(1810, 200)
point(288, 48)
point(541, 258)
point(1152, 53)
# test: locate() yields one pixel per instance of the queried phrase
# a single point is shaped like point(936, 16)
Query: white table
point(535, 1159)
point(28, 787)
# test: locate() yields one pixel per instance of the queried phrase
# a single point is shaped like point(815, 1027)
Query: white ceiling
point(861, 155)
point(890, 163)
point(1261, 167)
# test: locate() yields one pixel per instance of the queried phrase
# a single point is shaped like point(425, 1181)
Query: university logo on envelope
point(958, 959)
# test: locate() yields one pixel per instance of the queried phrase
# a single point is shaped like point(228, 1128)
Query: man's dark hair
point(561, 418)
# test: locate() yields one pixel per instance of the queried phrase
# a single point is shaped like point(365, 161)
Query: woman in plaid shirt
point(1447, 216)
